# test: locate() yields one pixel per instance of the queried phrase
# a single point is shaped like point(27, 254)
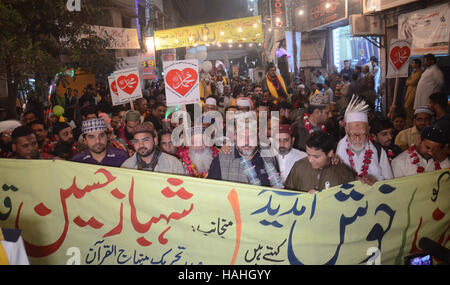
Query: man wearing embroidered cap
point(356, 150)
point(422, 118)
point(148, 156)
point(96, 138)
point(422, 156)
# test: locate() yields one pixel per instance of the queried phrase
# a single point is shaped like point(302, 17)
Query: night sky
point(206, 11)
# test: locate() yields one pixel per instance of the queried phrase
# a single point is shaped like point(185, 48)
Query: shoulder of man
point(130, 162)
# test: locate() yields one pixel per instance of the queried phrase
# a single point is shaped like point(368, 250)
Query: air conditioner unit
point(365, 25)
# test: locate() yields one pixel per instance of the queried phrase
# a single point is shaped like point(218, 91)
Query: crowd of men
point(327, 131)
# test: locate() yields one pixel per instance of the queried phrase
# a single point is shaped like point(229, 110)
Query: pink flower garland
point(183, 153)
point(308, 125)
point(415, 160)
point(366, 162)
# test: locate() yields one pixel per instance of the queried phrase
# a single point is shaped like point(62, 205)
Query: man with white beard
point(198, 159)
point(356, 150)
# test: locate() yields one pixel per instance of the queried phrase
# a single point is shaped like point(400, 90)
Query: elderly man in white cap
point(422, 118)
point(96, 138)
point(356, 150)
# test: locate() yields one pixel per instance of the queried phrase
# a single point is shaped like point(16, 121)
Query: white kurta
point(287, 161)
point(381, 169)
point(402, 165)
point(431, 81)
point(16, 252)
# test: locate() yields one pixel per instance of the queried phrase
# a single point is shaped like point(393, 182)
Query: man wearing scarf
point(275, 83)
point(246, 164)
point(148, 156)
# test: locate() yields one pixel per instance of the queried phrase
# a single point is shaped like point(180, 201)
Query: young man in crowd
point(166, 144)
point(314, 120)
point(95, 136)
point(422, 118)
point(421, 156)
point(317, 172)
point(148, 156)
point(132, 120)
point(381, 134)
point(25, 146)
point(41, 133)
point(357, 151)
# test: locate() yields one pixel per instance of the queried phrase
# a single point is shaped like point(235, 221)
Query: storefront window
point(358, 50)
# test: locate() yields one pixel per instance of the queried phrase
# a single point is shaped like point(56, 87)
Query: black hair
point(439, 98)
point(418, 61)
point(157, 105)
point(59, 126)
point(37, 122)
point(430, 57)
point(19, 132)
point(87, 110)
point(313, 107)
point(379, 124)
point(322, 141)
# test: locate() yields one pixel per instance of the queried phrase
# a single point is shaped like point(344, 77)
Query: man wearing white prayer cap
point(210, 104)
point(243, 104)
point(422, 118)
point(356, 150)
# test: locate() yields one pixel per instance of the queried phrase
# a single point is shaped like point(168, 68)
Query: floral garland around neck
point(415, 160)
point(308, 125)
point(183, 153)
point(366, 162)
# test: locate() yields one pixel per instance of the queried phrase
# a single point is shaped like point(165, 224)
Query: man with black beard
point(148, 156)
point(96, 138)
point(287, 155)
point(65, 146)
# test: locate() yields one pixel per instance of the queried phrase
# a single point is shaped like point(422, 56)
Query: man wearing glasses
point(148, 156)
point(96, 138)
point(356, 150)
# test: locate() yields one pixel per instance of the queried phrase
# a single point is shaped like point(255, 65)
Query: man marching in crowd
point(424, 155)
point(357, 151)
point(95, 136)
point(317, 172)
point(148, 155)
point(140, 139)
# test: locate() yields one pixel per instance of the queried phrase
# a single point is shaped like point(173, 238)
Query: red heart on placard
point(400, 56)
point(114, 88)
point(182, 81)
point(128, 84)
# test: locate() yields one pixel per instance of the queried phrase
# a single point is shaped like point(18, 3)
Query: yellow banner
point(72, 213)
point(243, 30)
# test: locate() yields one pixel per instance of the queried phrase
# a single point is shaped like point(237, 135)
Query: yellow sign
point(244, 30)
point(72, 213)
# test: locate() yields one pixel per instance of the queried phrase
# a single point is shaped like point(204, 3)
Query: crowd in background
point(329, 132)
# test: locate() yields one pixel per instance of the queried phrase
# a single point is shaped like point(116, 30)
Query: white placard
point(125, 86)
point(182, 82)
point(399, 55)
